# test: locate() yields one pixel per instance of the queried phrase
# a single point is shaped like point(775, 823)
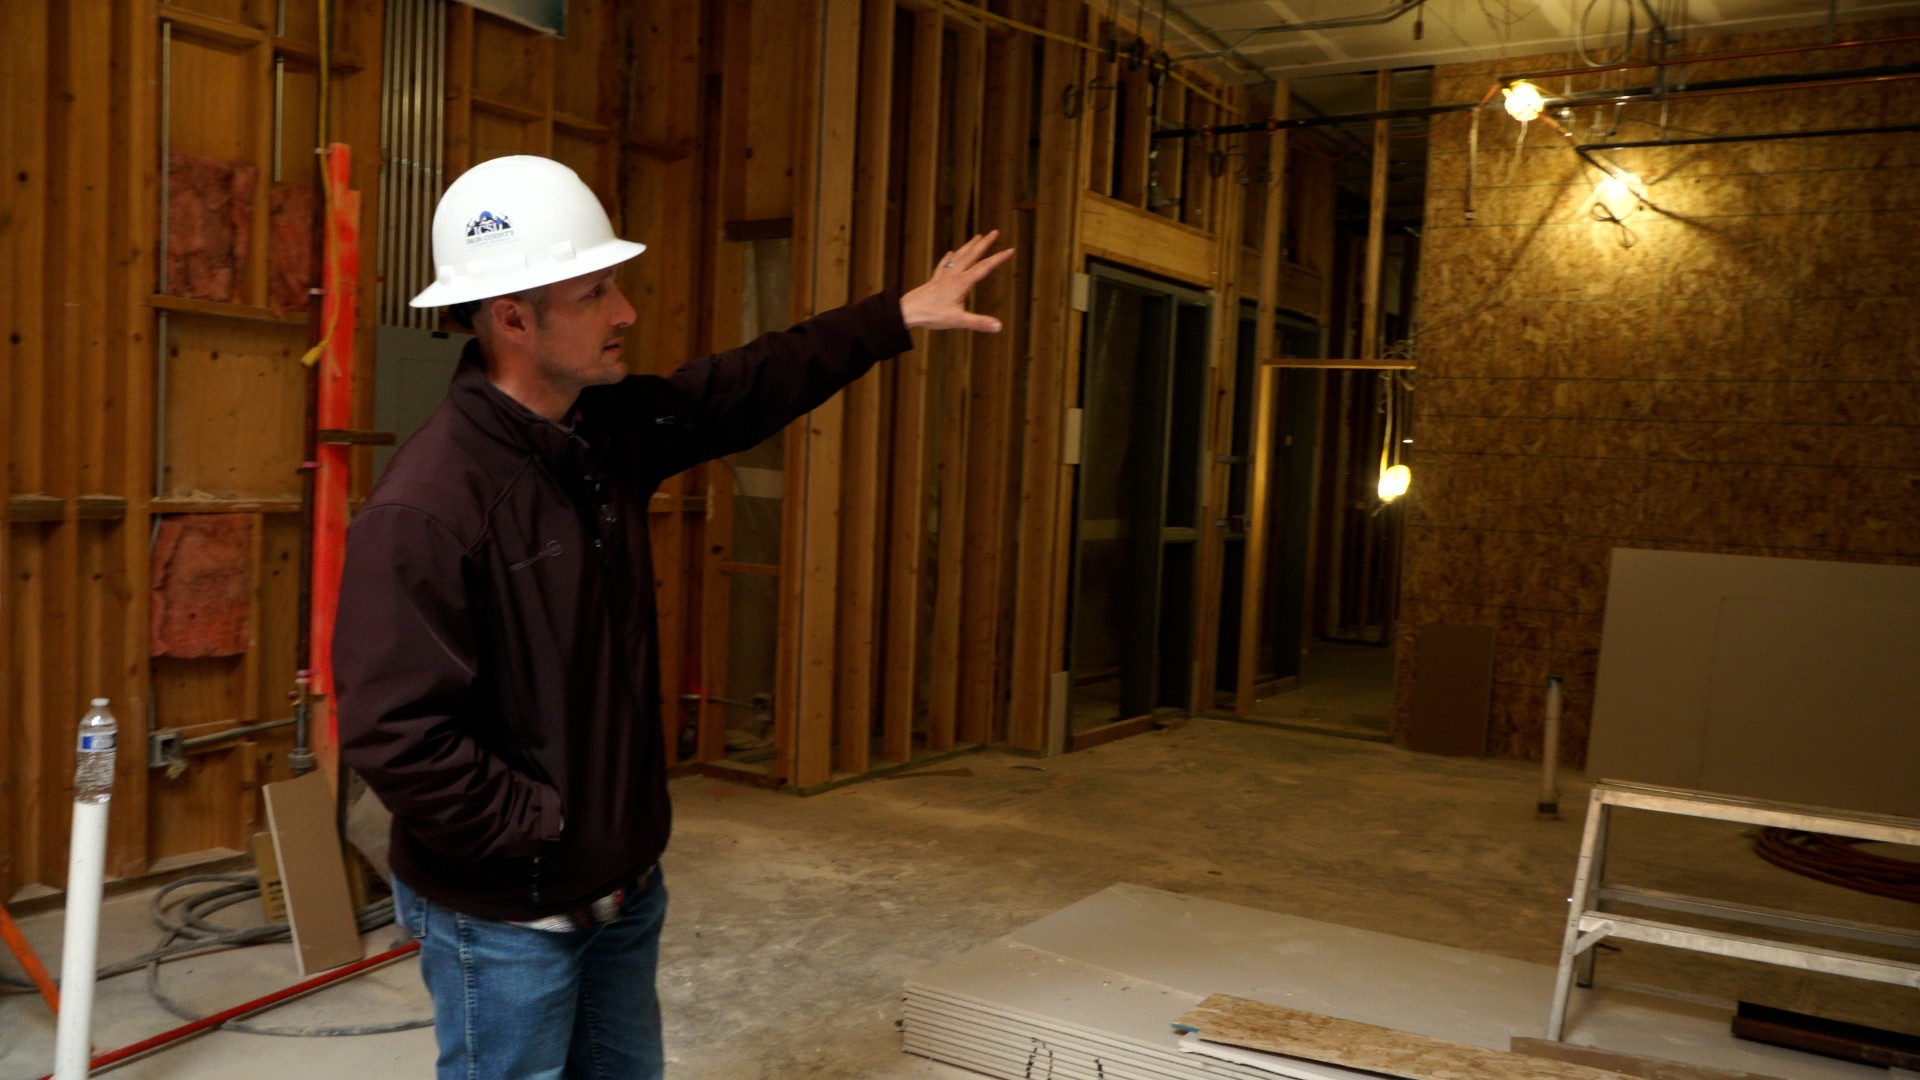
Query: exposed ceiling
point(1328, 49)
point(1381, 33)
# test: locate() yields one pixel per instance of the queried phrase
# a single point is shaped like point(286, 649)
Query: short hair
point(467, 312)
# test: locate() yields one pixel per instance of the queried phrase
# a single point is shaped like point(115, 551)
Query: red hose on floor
point(115, 1057)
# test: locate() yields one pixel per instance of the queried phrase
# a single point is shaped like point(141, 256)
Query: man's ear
point(510, 317)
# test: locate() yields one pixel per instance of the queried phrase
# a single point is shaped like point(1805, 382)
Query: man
point(494, 654)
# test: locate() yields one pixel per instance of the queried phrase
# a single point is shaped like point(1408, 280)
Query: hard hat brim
point(456, 291)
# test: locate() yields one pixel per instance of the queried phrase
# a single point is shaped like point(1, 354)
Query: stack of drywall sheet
point(1091, 992)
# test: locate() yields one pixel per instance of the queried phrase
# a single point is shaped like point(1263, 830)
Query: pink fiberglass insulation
point(293, 246)
point(202, 586)
point(209, 226)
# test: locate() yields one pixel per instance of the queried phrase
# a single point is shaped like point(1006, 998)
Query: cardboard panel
point(313, 875)
point(1452, 690)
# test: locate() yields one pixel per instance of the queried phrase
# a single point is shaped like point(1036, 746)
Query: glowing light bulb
point(1620, 193)
point(1394, 482)
point(1524, 101)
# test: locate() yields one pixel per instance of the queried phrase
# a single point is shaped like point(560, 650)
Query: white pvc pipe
point(86, 866)
point(1550, 752)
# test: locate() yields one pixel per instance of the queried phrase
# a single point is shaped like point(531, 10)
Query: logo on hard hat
point(488, 228)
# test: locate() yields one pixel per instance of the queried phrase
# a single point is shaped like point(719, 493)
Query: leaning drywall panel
point(1787, 679)
point(1818, 701)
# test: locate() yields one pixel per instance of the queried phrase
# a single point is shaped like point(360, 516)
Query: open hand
point(941, 303)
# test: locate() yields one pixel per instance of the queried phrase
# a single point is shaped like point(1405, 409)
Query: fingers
point(966, 255)
point(988, 265)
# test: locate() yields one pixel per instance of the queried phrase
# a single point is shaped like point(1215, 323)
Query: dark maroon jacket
point(494, 657)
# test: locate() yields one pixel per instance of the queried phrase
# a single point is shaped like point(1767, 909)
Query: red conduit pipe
point(115, 1057)
point(23, 952)
point(336, 413)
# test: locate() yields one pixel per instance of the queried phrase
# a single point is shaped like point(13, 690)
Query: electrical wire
point(1580, 34)
point(195, 934)
point(1838, 860)
point(190, 932)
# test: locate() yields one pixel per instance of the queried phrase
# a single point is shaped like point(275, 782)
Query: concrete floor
point(1345, 689)
point(795, 921)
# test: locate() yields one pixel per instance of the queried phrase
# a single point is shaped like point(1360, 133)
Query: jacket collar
point(495, 412)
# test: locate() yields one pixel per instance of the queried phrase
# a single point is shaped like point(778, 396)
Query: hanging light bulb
point(1393, 478)
point(1619, 194)
point(1394, 482)
point(1524, 100)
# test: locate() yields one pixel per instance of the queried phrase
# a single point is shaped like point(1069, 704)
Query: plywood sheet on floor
point(1257, 1025)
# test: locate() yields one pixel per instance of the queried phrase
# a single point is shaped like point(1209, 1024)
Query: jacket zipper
point(548, 552)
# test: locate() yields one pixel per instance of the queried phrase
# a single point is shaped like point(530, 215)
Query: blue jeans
point(522, 1004)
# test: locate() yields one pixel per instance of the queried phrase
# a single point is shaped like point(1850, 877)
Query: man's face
point(578, 341)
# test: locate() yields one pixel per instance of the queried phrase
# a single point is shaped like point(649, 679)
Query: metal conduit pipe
point(230, 734)
point(1710, 58)
point(1813, 80)
point(1377, 18)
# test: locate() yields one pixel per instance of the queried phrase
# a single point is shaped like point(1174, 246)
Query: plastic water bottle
point(93, 768)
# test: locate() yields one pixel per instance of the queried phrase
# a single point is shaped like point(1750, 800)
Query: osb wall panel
point(1743, 378)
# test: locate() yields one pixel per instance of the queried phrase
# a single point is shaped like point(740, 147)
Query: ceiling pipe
point(1378, 18)
point(1762, 136)
point(1709, 58)
point(1805, 80)
point(1194, 32)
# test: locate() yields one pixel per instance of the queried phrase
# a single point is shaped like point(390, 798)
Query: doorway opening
point(1137, 502)
point(1322, 654)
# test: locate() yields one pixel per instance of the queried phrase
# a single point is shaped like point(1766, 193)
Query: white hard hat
point(516, 223)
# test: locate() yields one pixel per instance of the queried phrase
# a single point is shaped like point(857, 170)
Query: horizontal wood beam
point(1111, 229)
point(250, 312)
point(1338, 364)
point(210, 504)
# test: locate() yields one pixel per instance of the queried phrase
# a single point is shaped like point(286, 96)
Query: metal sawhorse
point(1589, 920)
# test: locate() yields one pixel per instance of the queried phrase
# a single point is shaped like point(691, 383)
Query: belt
point(598, 912)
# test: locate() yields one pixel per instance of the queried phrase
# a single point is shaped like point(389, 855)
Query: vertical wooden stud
point(458, 134)
point(983, 652)
point(823, 242)
point(1376, 221)
point(1258, 478)
point(956, 389)
point(860, 502)
point(1045, 483)
point(905, 585)
point(1226, 197)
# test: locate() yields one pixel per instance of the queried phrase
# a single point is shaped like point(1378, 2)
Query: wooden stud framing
point(1133, 117)
point(1213, 510)
point(907, 534)
point(983, 644)
point(1376, 221)
point(956, 391)
point(860, 492)
point(1045, 482)
point(1259, 478)
point(823, 255)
